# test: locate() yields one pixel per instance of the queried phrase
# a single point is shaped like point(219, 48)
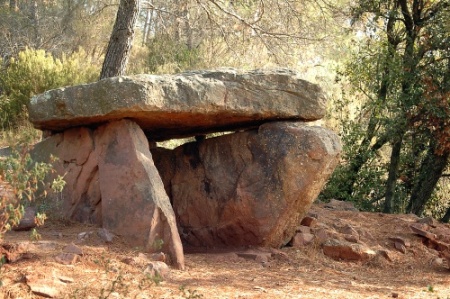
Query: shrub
point(35, 71)
point(22, 182)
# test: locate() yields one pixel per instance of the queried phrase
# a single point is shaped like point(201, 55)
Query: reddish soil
point(291, 272)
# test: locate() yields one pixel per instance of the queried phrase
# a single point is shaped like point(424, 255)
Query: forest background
point(384, 65)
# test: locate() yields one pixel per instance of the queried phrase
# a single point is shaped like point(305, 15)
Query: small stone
point(443, 234)
point(160, 256)
point(105, 235)
point(400, 240)
point(428, 220)
point(266, 264)
point(67, 258)
point(45, 287)
point(303, 229)
point(72, 248)
point(278, 253)
point(342, 250)
point(385, 253)
point(418, 230)
point(255, 255)
point(437, 262)
point(365, 234)
point(157, 269)
point(394, 295)
point(400, 247)
point(139, 260)
point(313, 215)
point(66, 279)
point(321, 235)
point(308, 221)
point(84, 235)
point(24, 246)
point(27, 222)
point(302, 239)
point(349, 230)
point(351, 238)
point(446, 256)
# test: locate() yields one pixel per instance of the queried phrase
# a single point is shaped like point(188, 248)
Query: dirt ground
point(105, 271)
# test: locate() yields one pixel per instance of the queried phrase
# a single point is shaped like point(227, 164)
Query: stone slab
point(186, 104)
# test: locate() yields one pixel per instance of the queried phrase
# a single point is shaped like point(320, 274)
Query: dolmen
point(250, 186)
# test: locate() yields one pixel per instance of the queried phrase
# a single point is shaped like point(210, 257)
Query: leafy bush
point(35, 71)
point(22, 182)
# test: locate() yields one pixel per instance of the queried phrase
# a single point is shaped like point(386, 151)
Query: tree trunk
point(430, 172)
point(147, 26)
point(185, 31)
point(13, 5)
point(35, 22)
point(392, 177)
point(446, 217)
point(121, 40)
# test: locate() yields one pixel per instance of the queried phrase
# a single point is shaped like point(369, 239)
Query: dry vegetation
point(105, 271)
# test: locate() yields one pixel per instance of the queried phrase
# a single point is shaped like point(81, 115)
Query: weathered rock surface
point(302, 239)
point(342, 250)
point(111, 180)
point(248, 188)
point(181, 105)
point(157, 269)
point(28, 220)
point(49, 287)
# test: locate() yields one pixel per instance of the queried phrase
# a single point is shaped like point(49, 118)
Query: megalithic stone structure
point(246, 188)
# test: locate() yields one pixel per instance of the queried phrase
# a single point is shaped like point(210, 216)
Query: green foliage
point(398, 75)
point(23, 183)
point(35, 71)
point(167, 55)
point(368, 182)
point(158, 244)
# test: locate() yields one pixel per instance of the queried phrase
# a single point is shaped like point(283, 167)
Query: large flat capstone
point(186, 104)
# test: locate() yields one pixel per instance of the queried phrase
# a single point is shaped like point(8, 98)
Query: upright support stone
point(248, 188)
point(111, 180)
point(130, 182)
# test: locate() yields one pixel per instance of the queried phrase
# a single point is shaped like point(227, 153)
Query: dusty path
point(102, 270)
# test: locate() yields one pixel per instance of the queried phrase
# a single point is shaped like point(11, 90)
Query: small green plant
point(104, 262)
point(116, 285)
point(148, 281)
point(158, 244)
point(189, 293)
point(156, 279)
point(34, 235)
point(22, 181)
